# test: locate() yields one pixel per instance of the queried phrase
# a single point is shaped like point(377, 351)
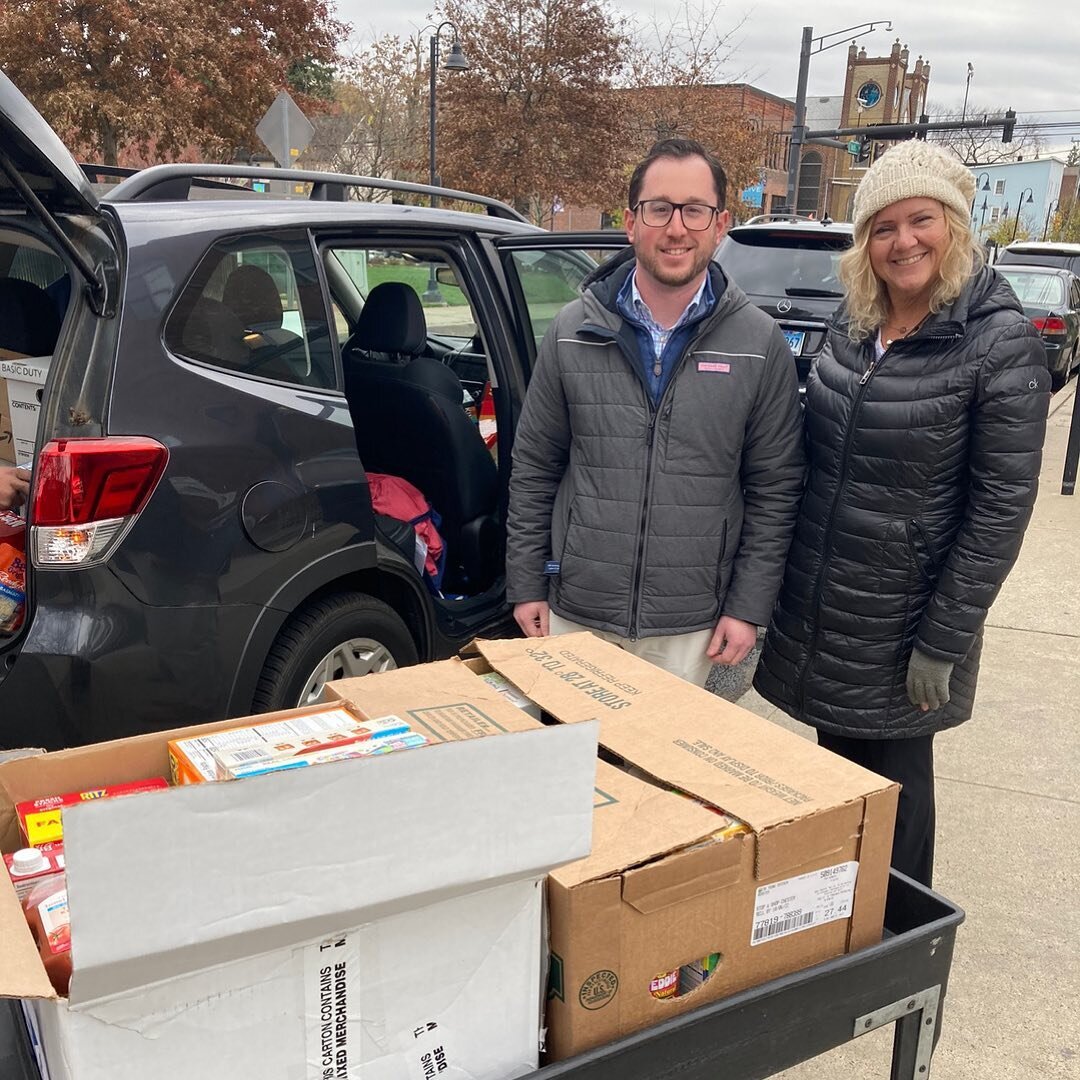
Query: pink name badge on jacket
point(713, 365)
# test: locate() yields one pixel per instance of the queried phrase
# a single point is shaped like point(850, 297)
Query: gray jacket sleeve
point(541, 452)
point(1005, 454)
point(772, 471)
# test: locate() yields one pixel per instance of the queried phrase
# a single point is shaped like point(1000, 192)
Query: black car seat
point(252, 294)
point(409, 418)
point(214, 334)
point(29, 321)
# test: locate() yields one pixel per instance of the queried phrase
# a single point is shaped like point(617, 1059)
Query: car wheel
point(344, 636)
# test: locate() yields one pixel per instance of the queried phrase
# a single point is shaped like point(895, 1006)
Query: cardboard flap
point(23, 975)
point(684, 875)
point(754, 770)
point(818, 839)
point(182, 880)
point(635, 823)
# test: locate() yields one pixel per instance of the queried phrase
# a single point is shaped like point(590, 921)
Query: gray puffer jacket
point(659, 518)
point(924, 468)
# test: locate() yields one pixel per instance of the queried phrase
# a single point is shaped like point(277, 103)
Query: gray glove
point(928, 680)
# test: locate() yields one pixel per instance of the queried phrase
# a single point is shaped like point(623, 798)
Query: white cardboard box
point(218, 929)
point(25, 377)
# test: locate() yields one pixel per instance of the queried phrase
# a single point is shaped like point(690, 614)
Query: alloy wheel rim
point(349, 660)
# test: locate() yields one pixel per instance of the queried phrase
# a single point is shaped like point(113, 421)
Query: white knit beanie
point(914, 169)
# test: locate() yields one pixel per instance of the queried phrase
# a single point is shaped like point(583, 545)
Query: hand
point(928, 681)
point(14, 487)
point(732, 640)
point(532, 617)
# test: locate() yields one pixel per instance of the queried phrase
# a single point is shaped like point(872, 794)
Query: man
point(658, 463)
point(14, 487)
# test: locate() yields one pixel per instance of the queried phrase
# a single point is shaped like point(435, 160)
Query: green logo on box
point(555, 978)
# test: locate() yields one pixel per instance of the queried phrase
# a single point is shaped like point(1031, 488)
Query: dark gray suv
point(788, 268)
point(216, 375)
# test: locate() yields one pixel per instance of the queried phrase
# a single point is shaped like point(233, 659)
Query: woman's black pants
point(910, 762)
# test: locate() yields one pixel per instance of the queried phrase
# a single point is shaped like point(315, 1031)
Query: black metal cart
point(759, 1032)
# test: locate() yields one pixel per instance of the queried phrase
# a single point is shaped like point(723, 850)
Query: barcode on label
point(247, 755)
point(764, 931)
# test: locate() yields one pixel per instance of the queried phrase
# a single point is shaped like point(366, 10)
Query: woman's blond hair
point(867, 300)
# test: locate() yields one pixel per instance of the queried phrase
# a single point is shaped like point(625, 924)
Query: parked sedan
point(1051, 299)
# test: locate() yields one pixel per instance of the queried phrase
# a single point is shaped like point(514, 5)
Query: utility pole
point(798, 130)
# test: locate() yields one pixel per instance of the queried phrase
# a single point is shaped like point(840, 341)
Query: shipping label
point(799, 903)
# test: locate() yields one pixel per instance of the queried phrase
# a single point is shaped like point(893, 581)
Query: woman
point(925, 417)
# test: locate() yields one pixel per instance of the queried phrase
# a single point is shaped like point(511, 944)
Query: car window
point(1038, 290)
point(550, 280)
point(778, 264)
point(255, 306)
point(447, 309)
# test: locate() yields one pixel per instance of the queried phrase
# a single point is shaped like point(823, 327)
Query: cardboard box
point(24, 376)
point(807, 883)
point(7, 440)
point(372, 917)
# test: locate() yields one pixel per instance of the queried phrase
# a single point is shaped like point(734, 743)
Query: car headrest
point(29, 321)
point(251, 293)
point(392, 321)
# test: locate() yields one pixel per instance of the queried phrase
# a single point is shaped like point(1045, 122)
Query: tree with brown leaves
point(156, 76)
point(535, 119)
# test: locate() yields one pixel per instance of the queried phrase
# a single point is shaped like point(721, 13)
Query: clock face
point(869, 94)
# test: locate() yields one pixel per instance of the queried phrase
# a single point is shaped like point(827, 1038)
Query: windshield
point(1037, 290)
point(784, 265)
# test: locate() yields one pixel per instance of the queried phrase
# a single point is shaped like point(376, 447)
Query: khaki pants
point(681, 654)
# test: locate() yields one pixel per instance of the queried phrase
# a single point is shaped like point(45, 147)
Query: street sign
point(285, 131)
point(854, 146)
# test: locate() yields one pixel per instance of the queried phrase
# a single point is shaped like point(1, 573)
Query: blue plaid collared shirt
point(635, 310)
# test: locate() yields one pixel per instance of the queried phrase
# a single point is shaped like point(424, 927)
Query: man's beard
point(651, 261)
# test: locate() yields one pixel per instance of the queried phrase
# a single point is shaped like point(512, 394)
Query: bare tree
point(983, 146)
point(676, 85)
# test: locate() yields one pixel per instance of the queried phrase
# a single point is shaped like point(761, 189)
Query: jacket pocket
point(921, 551)
point(720, 583)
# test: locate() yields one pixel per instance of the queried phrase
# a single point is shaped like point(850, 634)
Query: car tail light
point(1052, 324)
point(87, 495)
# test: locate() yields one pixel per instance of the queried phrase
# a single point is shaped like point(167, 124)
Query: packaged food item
point(665, 985)
point(194, 760)
point(12, 582)
point(46, 908)
point(512, 694)
point(40, 819)
point(28, 866)
point(238, 764)
point(695, 974)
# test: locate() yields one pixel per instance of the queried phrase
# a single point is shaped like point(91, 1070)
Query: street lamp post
point(1020, 204)
point(454, 62)
point(798, 127)
point(967, 87)
point(985, 187)
point(982, 219)
point(1054, 205)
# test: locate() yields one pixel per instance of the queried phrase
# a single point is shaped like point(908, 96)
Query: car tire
point(346, 635)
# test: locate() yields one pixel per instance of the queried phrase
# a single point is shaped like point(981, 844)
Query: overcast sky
point(1026, 53)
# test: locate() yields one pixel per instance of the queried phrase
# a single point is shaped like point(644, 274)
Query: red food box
point(40, 821)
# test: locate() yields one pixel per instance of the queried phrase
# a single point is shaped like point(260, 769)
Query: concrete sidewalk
point(1008, 801)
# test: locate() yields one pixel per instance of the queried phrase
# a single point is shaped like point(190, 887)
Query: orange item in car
point(12, 572)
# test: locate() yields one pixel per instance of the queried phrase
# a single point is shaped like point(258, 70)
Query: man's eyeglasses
point(658, 212)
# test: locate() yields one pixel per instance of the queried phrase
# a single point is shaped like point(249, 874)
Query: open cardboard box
point(21, 380)
point(377, 917)
point(806, 883)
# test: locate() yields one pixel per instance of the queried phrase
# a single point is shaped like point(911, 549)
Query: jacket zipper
point(849, 436)
point(819, 581)
point(639, 560)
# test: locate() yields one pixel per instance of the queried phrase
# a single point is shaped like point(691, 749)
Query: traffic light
point(921, 133)
point(866, 146)
point(1007, 127)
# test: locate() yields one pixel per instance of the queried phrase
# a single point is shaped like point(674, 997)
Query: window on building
point(999, 187)
point(995, 215)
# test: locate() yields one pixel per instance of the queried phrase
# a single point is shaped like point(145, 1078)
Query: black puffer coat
point(923, 473)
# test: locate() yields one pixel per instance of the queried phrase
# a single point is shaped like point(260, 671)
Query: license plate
point(795, 339)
